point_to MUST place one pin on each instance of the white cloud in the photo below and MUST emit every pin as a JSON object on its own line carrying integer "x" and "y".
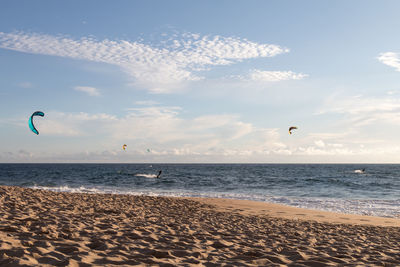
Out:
{"x": 88, "y": 90}
{"x": 391, "y": 59}
{"x": 161, "y": 69}
{"x": 273, "y": 76}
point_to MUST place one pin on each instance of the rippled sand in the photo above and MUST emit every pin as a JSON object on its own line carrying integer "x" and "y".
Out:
{"x": 47, "y": 228}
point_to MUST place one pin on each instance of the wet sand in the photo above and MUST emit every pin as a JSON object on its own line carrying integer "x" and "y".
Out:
{"x": 69, "y": 229}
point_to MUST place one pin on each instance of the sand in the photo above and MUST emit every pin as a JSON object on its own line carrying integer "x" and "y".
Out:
{"x": 42, "y": 228}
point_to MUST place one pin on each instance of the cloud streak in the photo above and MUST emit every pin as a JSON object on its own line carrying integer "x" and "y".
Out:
{"x": 157, "y": 68}
{"x": 365, "y": 110}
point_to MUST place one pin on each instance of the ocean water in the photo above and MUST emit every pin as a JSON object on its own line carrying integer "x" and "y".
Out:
{"x": 330, "y": 187}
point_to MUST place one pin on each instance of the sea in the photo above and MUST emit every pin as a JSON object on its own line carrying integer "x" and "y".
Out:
{"x": 366, "y": 189}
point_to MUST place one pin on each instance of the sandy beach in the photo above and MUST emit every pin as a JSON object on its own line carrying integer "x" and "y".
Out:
{"x": 73, "y": 229}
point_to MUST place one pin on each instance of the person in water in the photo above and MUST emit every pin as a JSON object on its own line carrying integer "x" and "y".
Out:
{"x": 159, "y": 174}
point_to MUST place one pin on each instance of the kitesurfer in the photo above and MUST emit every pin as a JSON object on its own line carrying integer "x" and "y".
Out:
{"x": 159, "y": 174}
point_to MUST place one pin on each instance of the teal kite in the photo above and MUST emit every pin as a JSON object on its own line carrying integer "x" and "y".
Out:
{"x": 36, "y": 113}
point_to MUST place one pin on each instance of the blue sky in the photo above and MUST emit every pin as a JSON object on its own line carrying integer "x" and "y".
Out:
{"x": 206, "y": 81}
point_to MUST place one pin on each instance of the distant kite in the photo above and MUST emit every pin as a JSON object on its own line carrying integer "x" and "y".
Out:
{"x": 124, "y": 147}
{"x": 292, "y": 128}
{"x": 37, "y": 113}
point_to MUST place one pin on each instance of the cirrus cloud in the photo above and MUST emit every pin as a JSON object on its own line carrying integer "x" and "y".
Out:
{"x": 365, "y": 110}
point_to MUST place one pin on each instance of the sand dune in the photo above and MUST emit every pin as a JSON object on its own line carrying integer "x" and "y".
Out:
{"x": 47, "y": 228}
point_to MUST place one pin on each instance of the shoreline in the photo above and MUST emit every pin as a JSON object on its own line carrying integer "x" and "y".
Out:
{"x": 39, "y": 227}
{"x": 254, "y": 207}
{"x": 316, "y": 214}
{"x": 249, "y": 207}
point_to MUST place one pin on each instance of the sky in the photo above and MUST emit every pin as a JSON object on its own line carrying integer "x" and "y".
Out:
{"x": 200, "y": 81}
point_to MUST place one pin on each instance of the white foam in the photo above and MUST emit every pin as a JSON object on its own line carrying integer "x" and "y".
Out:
{"x": 359, "y": 171}
{"x": 80, "y": 189}
{"x": 372, "y": 207}
{"x": 146, "y": 175}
